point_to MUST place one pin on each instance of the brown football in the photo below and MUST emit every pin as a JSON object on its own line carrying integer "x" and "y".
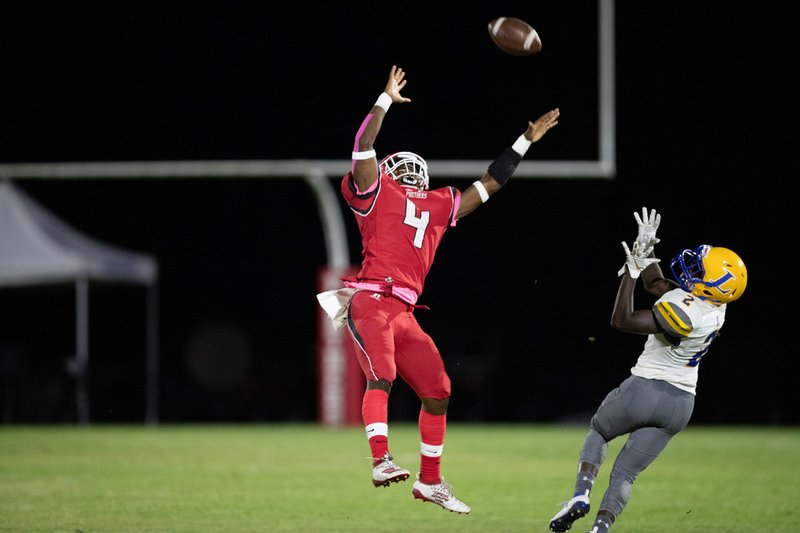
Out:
{"x": 514, "y": 36}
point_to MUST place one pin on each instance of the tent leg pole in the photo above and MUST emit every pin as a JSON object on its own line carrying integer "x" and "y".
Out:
{"x": 152, "y": 365}
{"x": 82, "y": 348}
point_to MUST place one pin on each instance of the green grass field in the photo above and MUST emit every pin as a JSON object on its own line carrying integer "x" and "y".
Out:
{"x": 303, "y": 477}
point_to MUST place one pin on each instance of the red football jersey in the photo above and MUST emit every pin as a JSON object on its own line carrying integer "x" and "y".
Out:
{"x": 401, "y": 228}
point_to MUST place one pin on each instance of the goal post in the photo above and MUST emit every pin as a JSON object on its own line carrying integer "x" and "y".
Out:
{"x": 340, "y": 382}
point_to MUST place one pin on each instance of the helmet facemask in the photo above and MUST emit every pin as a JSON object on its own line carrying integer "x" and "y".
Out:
{"x": 408, "y": 169}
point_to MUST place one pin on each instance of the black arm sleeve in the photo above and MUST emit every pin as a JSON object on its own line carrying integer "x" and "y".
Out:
{"x": 504, "y": 166}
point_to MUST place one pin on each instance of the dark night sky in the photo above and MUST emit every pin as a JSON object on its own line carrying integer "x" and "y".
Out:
{"x": 705, "y": 113}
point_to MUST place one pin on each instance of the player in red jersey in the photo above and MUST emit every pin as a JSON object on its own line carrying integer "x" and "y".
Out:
{"x": 402, "y": 223}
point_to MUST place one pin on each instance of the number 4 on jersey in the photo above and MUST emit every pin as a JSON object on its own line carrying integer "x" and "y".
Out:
{"x": 418, "y": 222}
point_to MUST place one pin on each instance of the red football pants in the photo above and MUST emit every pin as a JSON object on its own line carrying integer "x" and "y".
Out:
{"x": 390, "y": 342}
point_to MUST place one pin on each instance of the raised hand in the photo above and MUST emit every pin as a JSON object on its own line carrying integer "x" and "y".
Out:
{"x": 636, "y": 259}
{"x": 647, "y": 229}
{"x": 536, "y": 130}
{"x": 396, "y": 84}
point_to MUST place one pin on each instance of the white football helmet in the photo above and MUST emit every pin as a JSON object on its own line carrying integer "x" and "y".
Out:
{"x": 406, "y": 168}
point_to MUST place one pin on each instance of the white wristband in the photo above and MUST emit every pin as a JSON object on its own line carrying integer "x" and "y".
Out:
{"x": 384, "y": 101}
{"x": 521, "y": 145}
{"x": 484, "y": 194}
{"x": 360, "y": 156}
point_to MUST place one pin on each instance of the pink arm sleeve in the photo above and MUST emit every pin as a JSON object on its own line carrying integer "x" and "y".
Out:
{"x": 358, "y": 137}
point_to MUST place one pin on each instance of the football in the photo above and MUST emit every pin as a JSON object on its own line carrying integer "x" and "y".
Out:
{"x": 514, "y": 36}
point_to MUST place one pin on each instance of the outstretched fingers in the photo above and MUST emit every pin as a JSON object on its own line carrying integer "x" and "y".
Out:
{"x": 537, "y": 129}
{"x": 396, "y": 84}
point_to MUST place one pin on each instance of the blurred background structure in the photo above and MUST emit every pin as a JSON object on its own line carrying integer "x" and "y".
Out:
{"x": 521, "y": 292}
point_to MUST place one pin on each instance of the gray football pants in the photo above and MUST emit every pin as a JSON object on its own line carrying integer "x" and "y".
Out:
{"x": 652, "y": 411}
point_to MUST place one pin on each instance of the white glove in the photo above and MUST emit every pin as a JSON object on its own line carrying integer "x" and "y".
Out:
{"x": 636, "y": 260}
{"x": 647, "y": 229}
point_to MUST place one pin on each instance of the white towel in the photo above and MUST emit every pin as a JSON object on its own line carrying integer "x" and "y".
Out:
{"x": 336, "y": 304}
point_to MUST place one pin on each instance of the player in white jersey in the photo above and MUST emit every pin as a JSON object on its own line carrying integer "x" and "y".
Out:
{"x": 656, "y": 401}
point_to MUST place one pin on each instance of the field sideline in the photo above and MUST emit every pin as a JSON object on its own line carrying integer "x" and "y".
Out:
{"x": 306, "y": 478}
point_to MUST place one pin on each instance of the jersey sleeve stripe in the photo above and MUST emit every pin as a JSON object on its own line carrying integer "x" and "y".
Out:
{"x": 673, "y": 320}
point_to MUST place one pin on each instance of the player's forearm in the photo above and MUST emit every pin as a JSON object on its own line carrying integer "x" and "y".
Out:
{"x": 363, "y": 147}
{"x": 623, "y": 303}
{"x": 365, "y": 165}
{"x": 368, "y": 132}
{"x": 654, "y": 281}
{"x": 506, "y": 163}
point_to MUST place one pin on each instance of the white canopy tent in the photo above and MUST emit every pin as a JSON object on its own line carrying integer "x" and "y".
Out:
{"x": 38, "y": 248}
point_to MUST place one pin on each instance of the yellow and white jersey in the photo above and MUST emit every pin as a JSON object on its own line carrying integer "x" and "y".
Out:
{"x": 688, "y": 327}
